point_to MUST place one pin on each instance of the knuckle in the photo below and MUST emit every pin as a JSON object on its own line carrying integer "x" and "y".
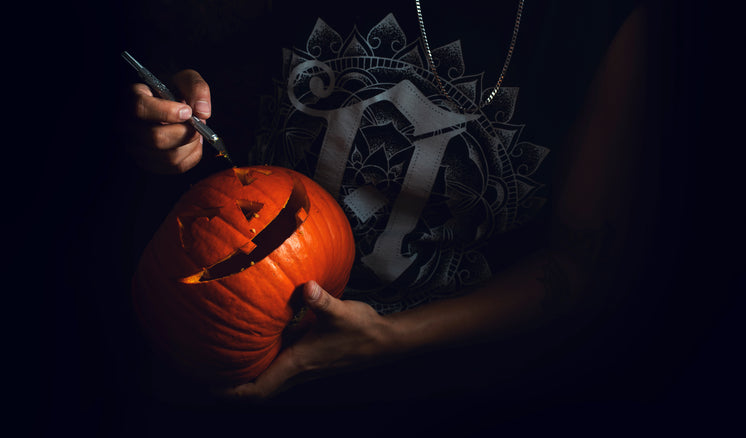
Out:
{"x": 200, "y": 86}
{"x": 149, "y": 109}
{"x": 191, "y": 82}
{"x": 171, "y": 137}
{"x": 152, "y": 109}
{"x": 140, "y": 89}
{"x": 160, "y": 139}
{"x": 249, "y": 393}
{"x": 141, "y": 107}
{"x": 138, "y": 98}
{"x": 298, "y": 363}
{"x": 189, "y": 158}
{"x": 324, "y": 302}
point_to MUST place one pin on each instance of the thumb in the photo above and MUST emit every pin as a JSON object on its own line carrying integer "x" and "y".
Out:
{"x": 320, "y": 301}
{"x": 195, "y": 91}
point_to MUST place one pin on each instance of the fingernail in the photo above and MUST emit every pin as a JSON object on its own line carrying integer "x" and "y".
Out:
{"x": 202, "y": 107}
{"x": 185, "y": 113}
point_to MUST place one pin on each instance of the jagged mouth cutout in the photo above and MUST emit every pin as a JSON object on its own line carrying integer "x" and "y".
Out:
{"x": 283, "y": 226}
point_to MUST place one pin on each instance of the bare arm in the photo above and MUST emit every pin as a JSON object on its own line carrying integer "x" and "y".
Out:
{"x": 588, "y": 224}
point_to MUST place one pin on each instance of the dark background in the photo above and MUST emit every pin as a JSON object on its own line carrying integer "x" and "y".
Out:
{"x": 667, "y": 359}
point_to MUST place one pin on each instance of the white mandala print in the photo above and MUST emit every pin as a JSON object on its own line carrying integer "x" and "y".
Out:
{"x": 423, "y": 185}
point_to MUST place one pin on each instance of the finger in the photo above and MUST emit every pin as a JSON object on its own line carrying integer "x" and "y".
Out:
{"x": 320, "y": 301}
{"x": 196, "y": 92}
{"x": 279, "y": 377}
{"x": 169, "y": 161}
{"x": 245, "y": 392}
{"x": 185, "y": 157}
{"x": 154, "y": 109}
{"x": 166, "y": 137}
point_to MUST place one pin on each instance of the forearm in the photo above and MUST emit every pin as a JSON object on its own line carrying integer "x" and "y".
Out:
{"x": 512, "y": 300}
{"x": 590, "y": 220}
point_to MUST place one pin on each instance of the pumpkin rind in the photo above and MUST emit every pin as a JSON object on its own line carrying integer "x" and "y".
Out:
{"x": 228, "y": 330}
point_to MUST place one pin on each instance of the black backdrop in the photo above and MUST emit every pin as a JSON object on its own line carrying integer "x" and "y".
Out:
{"x": 667, "y": 360}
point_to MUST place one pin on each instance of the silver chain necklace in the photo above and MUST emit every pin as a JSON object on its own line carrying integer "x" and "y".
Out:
{"x": 431, "y": 64}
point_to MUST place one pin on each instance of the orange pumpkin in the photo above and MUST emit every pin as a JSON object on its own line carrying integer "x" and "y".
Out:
{"x": 220, "y": 280}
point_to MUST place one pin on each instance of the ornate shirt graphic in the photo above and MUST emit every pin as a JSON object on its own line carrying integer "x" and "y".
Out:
{"x": 423, "y": 185}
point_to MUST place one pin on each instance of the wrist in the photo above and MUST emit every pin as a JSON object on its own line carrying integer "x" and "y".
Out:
{"x": 391, "y": 335}
{"x": 405, "y": 332}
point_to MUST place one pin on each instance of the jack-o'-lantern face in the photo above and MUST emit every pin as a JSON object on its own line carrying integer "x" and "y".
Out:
{"x": 213, "y": 289}
{"x": 244, "y": 231}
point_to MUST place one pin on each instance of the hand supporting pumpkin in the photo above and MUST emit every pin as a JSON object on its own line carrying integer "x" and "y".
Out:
{"x": 157, "y": 137}
{"x": 347, "y": 334}
{"x": 351, "y": 334}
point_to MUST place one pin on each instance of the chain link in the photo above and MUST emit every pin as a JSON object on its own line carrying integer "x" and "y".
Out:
{"x": 431, "y": 64}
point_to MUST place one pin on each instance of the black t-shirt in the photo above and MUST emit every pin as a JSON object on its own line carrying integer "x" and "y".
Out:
{"x": 438, "y": 199}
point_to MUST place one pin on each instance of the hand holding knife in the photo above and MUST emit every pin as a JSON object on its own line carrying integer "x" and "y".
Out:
{"x": 158, "y": 87}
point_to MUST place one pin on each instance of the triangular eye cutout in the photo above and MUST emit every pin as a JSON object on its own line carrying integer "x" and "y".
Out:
{"x": 292, "y": 216}
{"x": 250, "y": 209}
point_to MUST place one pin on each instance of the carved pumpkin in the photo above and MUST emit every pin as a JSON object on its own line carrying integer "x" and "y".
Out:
{"x": 220, "y": 279}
